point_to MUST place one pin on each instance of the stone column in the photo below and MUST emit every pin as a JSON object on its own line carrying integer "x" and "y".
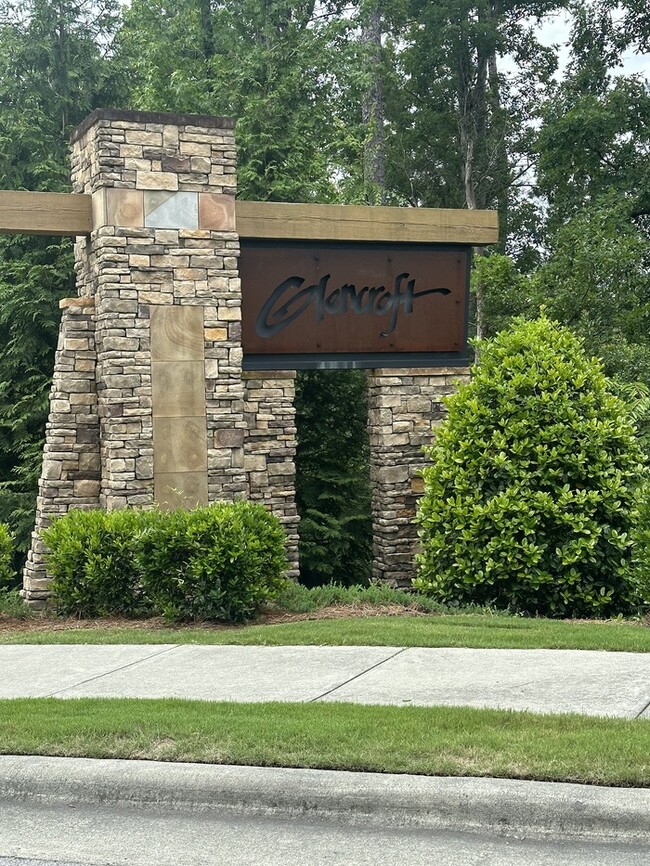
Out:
{"x": 270, "y": 449}
{"x": 404, "y": 406}
{"x": 161, "y": 266}
{"x": 169, "y": 379}
{"x": 70, "y": 476}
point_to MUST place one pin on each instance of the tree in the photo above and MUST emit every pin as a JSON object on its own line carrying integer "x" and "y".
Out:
{"x": 333, "y": 489}
{"x": 52, "y": 73}
{"x": 531, "y": 496}
{"x": 596, "y": 281}
{"x": 265, "y": 63}
{"x": 593, "y": 148}
{"x": 462, "y": 135}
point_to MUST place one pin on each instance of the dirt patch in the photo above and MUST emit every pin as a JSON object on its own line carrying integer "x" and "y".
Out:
{"x": 49, "y": 622}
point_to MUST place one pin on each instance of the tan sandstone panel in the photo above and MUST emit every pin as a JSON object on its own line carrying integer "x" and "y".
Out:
{"x": 124, "y": 207}
{"x": 176, "y": 333}
{"x": 181, "y": 489}
{"x": 178, "y": 388}
{"x": 179, "y": 445}
{"x": 217, "y": 212}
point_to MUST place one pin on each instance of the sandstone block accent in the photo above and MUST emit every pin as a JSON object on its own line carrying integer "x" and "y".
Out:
{"x": 404, "y": 405}
{"x": 217, "y": 211}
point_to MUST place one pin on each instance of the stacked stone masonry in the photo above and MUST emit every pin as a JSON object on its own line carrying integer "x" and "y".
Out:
{"x": 164, "y": 235}
{"x": 404, "y": 406}
{"x": 71, "y": 461}
{"x": 270, "y": 448}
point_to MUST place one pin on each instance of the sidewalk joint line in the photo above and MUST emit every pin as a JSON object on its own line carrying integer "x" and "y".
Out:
{"x": 642, "y": 710}
{"x": 356, "y": 676}
{"x": 113, "y": 671}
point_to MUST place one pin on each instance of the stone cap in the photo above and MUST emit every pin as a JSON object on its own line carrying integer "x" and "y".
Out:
{"x": 206, "y": 120}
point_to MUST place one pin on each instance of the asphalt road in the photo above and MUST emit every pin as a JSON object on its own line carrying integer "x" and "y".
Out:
{"x": 95, "y": 835}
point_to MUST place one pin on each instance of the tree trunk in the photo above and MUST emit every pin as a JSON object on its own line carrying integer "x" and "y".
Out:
{"x": 373, "y": 113}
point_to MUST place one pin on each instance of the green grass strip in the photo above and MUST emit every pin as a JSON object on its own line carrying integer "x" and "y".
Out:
{"x": 423, "y": 740}
{"x": 460, "y": 630}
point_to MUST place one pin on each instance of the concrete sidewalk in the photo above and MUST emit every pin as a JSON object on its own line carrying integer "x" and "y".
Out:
{"x": 543, "y": 681}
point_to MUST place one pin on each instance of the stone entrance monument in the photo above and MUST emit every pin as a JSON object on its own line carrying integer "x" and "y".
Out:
{"x": 159, "y": 396}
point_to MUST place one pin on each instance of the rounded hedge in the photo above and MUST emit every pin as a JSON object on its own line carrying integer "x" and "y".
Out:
{"x": 220, "y": 562}
{"x": 531, "y": 497}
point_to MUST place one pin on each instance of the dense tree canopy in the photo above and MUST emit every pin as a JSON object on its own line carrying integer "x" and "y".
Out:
{"x": 458, "y": 103}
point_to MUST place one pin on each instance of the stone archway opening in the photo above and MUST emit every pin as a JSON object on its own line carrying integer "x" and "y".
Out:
{"x": 333, "y": 492}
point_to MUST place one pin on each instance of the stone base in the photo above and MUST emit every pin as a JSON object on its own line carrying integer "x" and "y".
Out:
{"x": 404, "y": 405}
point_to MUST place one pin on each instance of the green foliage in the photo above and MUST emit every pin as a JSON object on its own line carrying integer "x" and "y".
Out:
{"x": 296, "y": 598}
{"x": 7, "y": 573}
{"x": 12, "y": 605}
{"x": 506, "y": 292}
{"x": 596, "y": 281}
{"x": 333, "y": 479}
{"x": 33, "y": 277}
{"x": 92, "y": 560}
{"x": 221, "y": 562}
{"x": 267, "y": 64}
{"x": 531, "y": 499}
{"x": 218, "y": 562}
{"x": 52, "y": 74}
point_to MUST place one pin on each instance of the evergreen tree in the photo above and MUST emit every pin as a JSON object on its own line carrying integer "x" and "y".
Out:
{"x": 333, "y": 490}
{"x": 52, "y": 74}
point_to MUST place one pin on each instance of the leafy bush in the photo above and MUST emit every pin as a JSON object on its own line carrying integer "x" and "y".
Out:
{"x": 92, "y": 560}
{"x": 7, "y": 573}
{"x": 531, "y": 499}
{"x": 218, "y": 562}
{"x": 12, "y": 605}
{"x": 296, "y": 598}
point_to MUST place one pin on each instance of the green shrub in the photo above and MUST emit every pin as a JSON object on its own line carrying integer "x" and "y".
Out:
{"x": 221, "y": 562}
{"x": 92, "y": 560}
{"x": 531, "y": 499}
{"x": 296, "y": 598}
{"x": 12, "y": 605}
{"x": 218, "y": 562}
{"x": 7, "y": 573}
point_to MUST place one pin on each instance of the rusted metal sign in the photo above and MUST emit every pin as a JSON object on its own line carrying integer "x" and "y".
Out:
{"x": 311, "y": 304}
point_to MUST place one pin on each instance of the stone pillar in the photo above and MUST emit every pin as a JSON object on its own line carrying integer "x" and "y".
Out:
{"x": 404, "y": 405}
{"x": 270, "y": 449}
{"x": 161, "y": 266}
{"x": 169, "y": 379}
{"x": 70, "y": 475}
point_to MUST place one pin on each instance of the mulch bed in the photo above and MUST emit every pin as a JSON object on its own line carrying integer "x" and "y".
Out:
{"x": 50, "y": 622}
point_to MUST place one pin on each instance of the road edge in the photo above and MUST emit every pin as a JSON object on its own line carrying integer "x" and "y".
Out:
{"x": 501, "y": 806}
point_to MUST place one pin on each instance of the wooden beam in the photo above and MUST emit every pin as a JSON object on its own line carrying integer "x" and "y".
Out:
{"x": 45, "y": 213}
{"x": 257, "y": 219}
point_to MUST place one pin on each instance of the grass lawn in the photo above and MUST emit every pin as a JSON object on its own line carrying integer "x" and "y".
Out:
{"x": 431, "y": 741}
{"x": 447, "y": 630}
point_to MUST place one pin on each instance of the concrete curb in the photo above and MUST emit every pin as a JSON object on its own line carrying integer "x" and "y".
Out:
{"x": 508, "y": 808}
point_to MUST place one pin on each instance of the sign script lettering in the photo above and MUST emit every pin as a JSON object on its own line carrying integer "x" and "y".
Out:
{"x": 290, "y": 300}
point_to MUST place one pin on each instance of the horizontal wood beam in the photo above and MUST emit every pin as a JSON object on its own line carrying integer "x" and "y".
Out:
{"x": 333, "y": 222}
{"x": 45, "y": 213}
